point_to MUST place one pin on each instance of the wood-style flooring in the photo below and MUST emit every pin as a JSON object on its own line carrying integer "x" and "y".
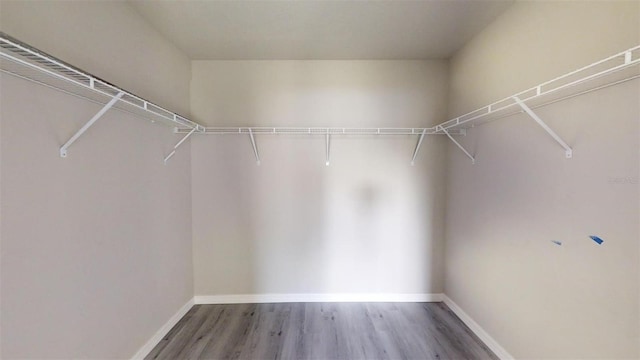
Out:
{"x": 321, "y": 331}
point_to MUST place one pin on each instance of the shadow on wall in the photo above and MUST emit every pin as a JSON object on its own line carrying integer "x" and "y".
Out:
{"x": 366, "y": 224}
{"x": 287, "y": 211}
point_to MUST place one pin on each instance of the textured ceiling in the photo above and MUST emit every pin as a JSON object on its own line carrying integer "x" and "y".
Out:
{"x": 322, "y": 30}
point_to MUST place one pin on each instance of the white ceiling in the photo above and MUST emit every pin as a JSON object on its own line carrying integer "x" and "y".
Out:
{"x": 322, "y": 30}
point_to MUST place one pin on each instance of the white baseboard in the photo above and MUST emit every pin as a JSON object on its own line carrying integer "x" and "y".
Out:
{"x": 477, "y": 329}
{"x": 155, "y": 339}
{"x": 282, "y": 298}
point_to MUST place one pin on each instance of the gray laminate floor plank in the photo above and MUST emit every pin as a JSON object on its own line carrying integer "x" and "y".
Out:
{"x": 204, "y": 332}
{"x": 178, "y": 337}
{"x": 265, "y": 334}
{"x": 229, "y": 339}
{"x": 321, "y": 331}
{"x": 292, "y": 332}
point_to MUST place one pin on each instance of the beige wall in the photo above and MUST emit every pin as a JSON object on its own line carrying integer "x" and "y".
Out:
{"x": 537, "y": 299}
{"x": 108, "y": 39}
{"x": 535, "y": 41}
{"x": 369, "y": 223}
{"x": 102, "y": 240}
{"x": 96, "y": 248}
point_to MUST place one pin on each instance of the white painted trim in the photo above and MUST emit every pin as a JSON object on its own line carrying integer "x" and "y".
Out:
{"x": 477, "y": 329}
{"x": 282, "y": 298}
{"x": 155, "y": 339}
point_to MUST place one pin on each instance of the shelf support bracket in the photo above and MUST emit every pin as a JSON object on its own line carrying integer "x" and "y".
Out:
{"x": 328, "y": 150}
{"x": 567, "y": 150}
{"x": 415, "y": 151}
{"x": 473, "y": 160}
{"x": 98, "y": 115}
{"x": 255, "y": 148}
{"x": 173, "y": 152}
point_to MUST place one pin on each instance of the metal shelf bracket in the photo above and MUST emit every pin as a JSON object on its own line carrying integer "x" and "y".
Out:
{"x": 255, "y": 148}
{"x": 567, "y": 150}
{"x": 98, "y": 115}
{"x": 328, "y": 150}
{"x": 173, "y": 152}
{"x": 440, "y": 127}
{"x": 415, "y": 151}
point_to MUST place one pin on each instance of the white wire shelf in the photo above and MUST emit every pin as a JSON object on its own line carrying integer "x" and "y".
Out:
{"x": 616, "y": 69}
{"x": 23, "y": 61}
{"x": 20, "y": 60}
{"x": 613, "y": 70}
{"x": 321, "y": 131}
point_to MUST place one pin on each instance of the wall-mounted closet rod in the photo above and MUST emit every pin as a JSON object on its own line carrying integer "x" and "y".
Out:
{"x": 628, "y": 58}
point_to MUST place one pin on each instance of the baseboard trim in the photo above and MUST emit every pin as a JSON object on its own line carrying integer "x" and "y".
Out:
{"x": 283, "y": 298}
{"x": 155, "y": 339}
{"x": 477, "y": 329}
